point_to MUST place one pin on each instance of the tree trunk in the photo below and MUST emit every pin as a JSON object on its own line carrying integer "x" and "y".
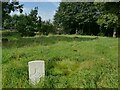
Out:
{"x": 76, "y": 32}
{"x": 114, "y": 32}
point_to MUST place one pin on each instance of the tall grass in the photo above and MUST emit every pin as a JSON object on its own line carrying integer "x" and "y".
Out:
{"x": 70, "y": 62}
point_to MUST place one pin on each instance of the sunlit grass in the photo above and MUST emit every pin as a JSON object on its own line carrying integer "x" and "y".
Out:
{"x": 82, "y": 62}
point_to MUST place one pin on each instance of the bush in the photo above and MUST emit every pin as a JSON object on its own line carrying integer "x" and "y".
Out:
{"x": 100, "y": 34}
{"x": 27, "y": 24}
{"x": 47, "y": 27}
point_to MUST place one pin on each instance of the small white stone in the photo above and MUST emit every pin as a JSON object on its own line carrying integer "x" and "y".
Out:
{"x": 36, "y": 71}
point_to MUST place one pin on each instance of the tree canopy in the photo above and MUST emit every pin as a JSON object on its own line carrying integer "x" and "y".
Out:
{"x": 29, "y": 24}
{"x": 87, "y": 17}
{"x": 7, "y": 7}
{"x": 74, "y": 16}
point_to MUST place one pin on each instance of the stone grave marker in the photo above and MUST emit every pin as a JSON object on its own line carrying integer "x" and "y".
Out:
{"x": 36, "y": 71}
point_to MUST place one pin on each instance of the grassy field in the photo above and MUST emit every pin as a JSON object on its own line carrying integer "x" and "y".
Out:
{"x": 82, "y": 62}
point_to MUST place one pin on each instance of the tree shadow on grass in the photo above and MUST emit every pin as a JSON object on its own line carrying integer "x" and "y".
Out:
{"x": 44, "y": 40}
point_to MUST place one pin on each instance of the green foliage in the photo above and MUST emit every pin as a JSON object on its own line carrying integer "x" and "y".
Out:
{"x": 7, "y": 22}
{"x": 11, "y": 22}
{"x": 47, "y": 27}
{"x": 108, "y": 20}
{"x": 74, "y": 16}
{"x": 7, "y": 7}
{"x": 85, "y": 17}
{"x": 83, "y": 62}
{"x": 112, "y": 7}
{"x": 110, "y": 17}
{"x": 29, "y": 24}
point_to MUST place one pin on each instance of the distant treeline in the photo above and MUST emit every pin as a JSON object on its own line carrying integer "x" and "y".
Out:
{"x": 91, "y": 18}
{"x": 28, "y": 25}
{"x": 84, "y": 18}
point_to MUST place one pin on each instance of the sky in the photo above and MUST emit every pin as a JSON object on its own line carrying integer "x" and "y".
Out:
{"x": 46, "y": 10}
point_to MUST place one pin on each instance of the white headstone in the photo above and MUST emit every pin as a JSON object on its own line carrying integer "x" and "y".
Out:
{"x": 36, "y": 71}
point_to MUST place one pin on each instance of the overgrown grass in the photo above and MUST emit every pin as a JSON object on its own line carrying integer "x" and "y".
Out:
{"x": 71, "y": 61}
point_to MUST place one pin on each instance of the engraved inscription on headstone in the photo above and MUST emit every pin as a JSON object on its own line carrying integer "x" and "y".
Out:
{"x": 36, "y": 71}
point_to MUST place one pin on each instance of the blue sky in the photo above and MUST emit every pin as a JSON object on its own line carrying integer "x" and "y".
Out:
{"x": 46, "y": 10}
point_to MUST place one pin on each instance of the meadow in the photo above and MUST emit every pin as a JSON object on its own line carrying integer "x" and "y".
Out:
{"x": 71, "y": 61}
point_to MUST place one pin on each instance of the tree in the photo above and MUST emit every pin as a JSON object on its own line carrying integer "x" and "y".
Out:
{"x": 73, "y": 17}
{"x": 11, "y": 21}
{"x": 114, "y": 8}
{"x": 7, "y": 22}
{"x": 15, "y": 19}
{"x": 47, "y": 27}
{"x": 7, "y": 7}
{"x": 22, "y": 25}
{"x": 109, "y": 20}
{"x": 39, "y": 24}
{"x": 110, "y": 17}
{"x": 29, "y": 24}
